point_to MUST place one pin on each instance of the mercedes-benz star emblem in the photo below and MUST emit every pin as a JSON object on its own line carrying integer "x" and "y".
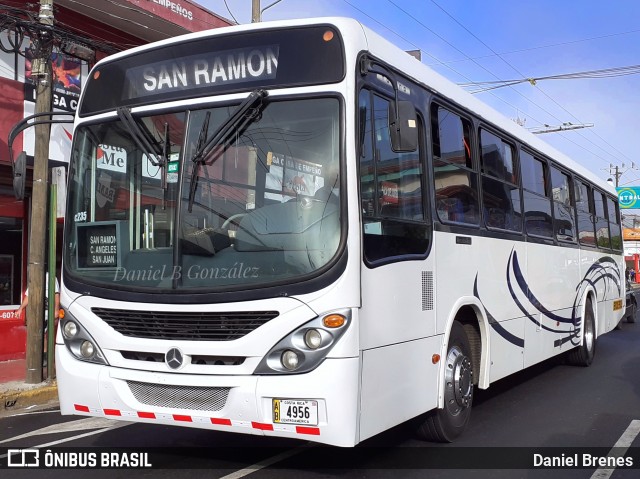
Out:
{"x": 174, "y": 358}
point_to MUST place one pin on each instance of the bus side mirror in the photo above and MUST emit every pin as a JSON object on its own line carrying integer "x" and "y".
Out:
{"x": 403, "y": 126}
{"x": 19, "y": 175}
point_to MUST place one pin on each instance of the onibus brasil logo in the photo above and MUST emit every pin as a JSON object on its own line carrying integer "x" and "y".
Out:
{"x": 629, "y": 197}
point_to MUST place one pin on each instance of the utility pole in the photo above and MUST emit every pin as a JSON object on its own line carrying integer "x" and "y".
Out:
{"x": 616, "y": 173}
{"x": 41, "y": 73}
{"x": 255, "y": 11}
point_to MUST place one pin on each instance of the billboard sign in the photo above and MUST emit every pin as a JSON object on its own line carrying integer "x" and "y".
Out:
{"x": 629, "y": 197}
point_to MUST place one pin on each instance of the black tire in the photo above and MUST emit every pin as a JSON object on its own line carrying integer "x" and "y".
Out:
{"x": 632, "y": 315}
{"x": 444, "y": 425}
{"x": 583, "y": 354}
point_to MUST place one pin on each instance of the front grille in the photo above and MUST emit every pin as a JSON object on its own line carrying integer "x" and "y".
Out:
{"x": 198, "y": 359}
{"x": 190, "y": 326}
{"x": 179, "y": 397}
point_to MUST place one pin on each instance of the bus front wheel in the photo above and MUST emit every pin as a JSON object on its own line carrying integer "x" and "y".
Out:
{"x": 446, "y": 424}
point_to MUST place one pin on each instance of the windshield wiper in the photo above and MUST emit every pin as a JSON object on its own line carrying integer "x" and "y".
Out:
{"x": 247, "y": 112}
{"x": 143, "y": 138}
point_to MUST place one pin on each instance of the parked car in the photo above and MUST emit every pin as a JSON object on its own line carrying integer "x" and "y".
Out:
{"x": 632, "y": 305}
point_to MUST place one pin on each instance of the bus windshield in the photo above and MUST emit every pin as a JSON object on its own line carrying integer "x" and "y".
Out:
{"x": 152, "y": 203}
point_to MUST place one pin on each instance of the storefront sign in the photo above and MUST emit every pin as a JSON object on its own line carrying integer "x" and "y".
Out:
{"x": 629, "y": 197}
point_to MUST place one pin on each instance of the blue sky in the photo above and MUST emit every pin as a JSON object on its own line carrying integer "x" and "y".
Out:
{"x": 474, "y": 41}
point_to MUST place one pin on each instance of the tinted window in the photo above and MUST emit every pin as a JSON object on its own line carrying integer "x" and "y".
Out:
{"x": 533, "y": 177}
{"x": 563, "y": 221}
{"x": 496, "y": 157}
{"x": 500, "y": 192}
{"x": 614, "y": 224}
{"x": 602, "y": 225}
{"x": 456, "y": 182}
{"x": 391, "y": 192}
{"x": 537, "y": 204}
{"x": 584, "y": 207}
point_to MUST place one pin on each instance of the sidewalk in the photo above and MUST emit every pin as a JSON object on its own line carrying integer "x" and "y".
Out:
{"x": 17, "y": 395}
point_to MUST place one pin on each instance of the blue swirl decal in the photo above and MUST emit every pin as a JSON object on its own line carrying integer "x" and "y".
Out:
{"x": 604, "y": 270}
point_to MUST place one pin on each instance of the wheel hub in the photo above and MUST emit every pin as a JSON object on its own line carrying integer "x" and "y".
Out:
{"x": 458, "y": 382}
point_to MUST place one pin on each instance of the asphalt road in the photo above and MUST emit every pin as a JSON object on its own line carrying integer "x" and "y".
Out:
{"x": 552, "y": 405}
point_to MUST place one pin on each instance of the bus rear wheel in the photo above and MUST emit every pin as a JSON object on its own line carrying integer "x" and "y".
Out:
{"x": 583, "y": 354}
{"x": 446, "y": 424}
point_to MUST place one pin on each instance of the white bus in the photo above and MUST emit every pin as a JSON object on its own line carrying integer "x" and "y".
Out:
{"x": 296, "y": 229}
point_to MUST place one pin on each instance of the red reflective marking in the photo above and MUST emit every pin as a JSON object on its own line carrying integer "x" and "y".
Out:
{"x": 314, "y": 431}
{"x": 178, "y": 417}
{"x": 261, "y": 426}
{"x": 146, "y": 415}
{"x": 220, "y": 421}
{"x": 78, "y": 407}
{"x": 111, "y": 412}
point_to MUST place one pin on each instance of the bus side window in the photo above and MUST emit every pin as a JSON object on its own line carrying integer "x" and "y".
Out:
{"x": 563, "y": 204}
{"x": 500, "y": 190}
{"x": 584, "y": 208}
{"x": 602, "y": 225}
{"x": 613, "y": 214}
{"x": 456, "y": 182}
{"x": 537, "y": 201}
{"x": 391, "y": 187}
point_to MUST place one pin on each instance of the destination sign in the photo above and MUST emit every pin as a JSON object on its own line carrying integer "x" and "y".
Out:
{"x": 202, "y": 70}
{"x": 214, "y": 64}
{"x": 98, "y": 245}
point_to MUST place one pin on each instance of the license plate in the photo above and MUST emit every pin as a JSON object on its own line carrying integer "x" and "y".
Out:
{"x": 295, "y": 411}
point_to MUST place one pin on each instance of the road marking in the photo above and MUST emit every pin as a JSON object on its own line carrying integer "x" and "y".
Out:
{"x": 79, "y": 436}
{"x": 265, "y": 463}
{"x": 619, "y": 448}
{"x": 69, "y": 426}
{"x": 31, "y": 413}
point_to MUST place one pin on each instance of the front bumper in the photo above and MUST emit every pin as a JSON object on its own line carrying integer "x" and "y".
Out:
{"x": 96, "y": 390}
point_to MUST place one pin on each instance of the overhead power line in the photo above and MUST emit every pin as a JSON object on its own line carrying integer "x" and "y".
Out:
{"x": 478, "y": 87}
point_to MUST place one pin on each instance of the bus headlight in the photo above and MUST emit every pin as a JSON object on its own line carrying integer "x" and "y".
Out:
{"x": 306, "y": 347}
{"x": 79, "y": 342}
{"x": 70, "y": 329}
{"x": 86, "y": 349}
{"x": 313, "y": 339}
{"x": 290, "y": 360}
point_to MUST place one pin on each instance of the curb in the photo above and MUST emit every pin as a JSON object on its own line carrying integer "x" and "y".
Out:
{"x": 23, "y": 395}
